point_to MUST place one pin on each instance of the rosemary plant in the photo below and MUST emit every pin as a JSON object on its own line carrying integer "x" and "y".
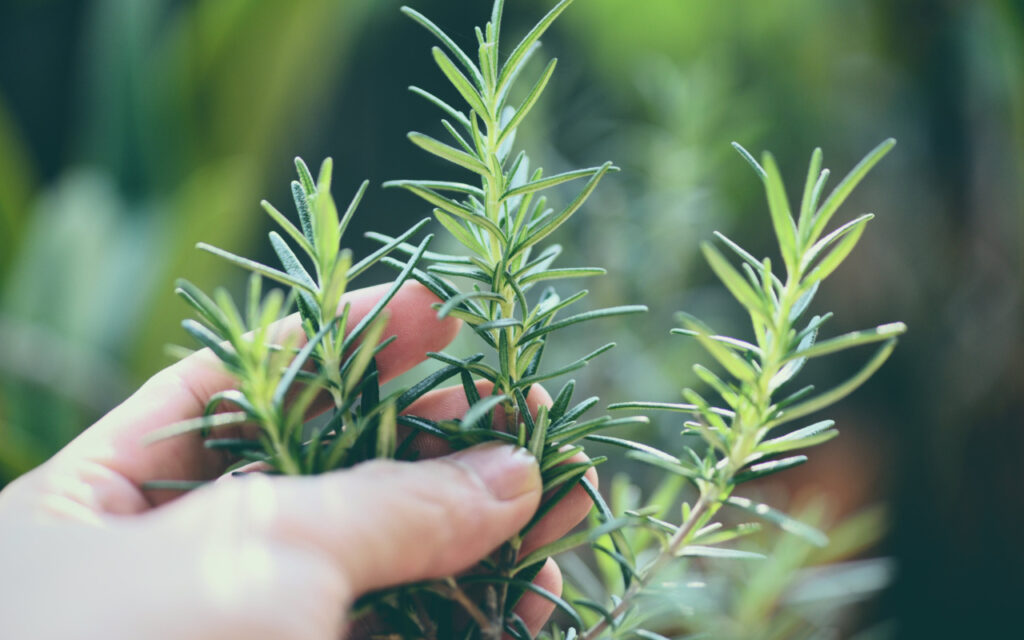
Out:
{"x": 501, "y": 222}
{"x": 500, "y": 286}
{"x": 740, "y": 443}
{"x": 269, "y": 366}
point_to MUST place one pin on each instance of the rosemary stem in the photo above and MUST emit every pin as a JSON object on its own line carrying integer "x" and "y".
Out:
{"x": 470, "y": 607}
{"x": 286, "y": 463}
{"x": 493, "y": 185}
{"x": 701, "y": 510}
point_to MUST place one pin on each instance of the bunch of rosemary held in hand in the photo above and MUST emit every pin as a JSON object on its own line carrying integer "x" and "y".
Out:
{"x": 504, "y": 285}
{"x": 511, "y": 307}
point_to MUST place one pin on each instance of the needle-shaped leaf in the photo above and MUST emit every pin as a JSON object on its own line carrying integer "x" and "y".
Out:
{"x": 452, "y": 112}
{"x": 813, "y": 253}
{"x": 570, "y": 542}
{"x": 667, "y": 406}
{"x": 528, "y": 102}
{"x": 302, "y": 207}
{"x": 431, "y": 381}
{"x": 256, "y": 267}
{"x": 365, "y": 351}
{"x": 288, "y": 227}
{"x": 850, "y": 340}
{"x": 634, "y": 446}
{"x": 780, "y": 519}
{"x": 792, "y": 366}
{"x": 518, "y": 55}
{"x": 351, "y": 208}
{"x": 846, "y": 186}
{"x": 438, "y": 33}
{"x": 303, "y": 355}
{"x": 724, "y": 390}
{"x": 449, "y": 153}
{"x": 705, "y": 411}
{"x": 455, "y": 301}
{"x": 211, "y": 341}
{"x": 672, "y": 466}
{"x": 645, "y": 634}
{"x": 782, "y": 215}
{"x": 702, "y": 551}
{"x": 570, "y": 434}
{"x": 408, "y": 249}
{"x": 559, "y": 274}
{"x": 203, "y": 304}
{"x": 583, "y": 317}
{"x": 438, "y": 185}
{"x": 719, "y": 535}
{"x": 196, "y": 424}
{"x": 838, "y": 393}
{"x": 807, "y": 201}
{"x": 305, "y": 177}
{"x": 740, "y": 251}
{"x": 479, "y": 410}
{"x": 549, "y": 182}
{"x": 569, "y": 368}
{"x": 459, "y": 232}
{"x": 751, "y": 299}
{"x": 232, "y": 396}
{"x": 500, "y": 323}
{"x": 733, "y": 363}
{"x": 553, "y": 223}
{"x": 372, "y": 259}
{"x": 735, "y": 343}
{"x": 835, "y": 257}
{"x": 814, "y": 434}
{"x": 576, "y": 412}
{"x": 803, "y": 302}
{"x": 290, "y": 261}
{"x": 357, "y": 331}
{"x": 568, "y": 473}
{"x": 387, "y": 435}
{"x": 460, "y": 82}
{"x": 761, "y": 469}
{"x": 323, "y": 179}
{"x": 750, "y": 160}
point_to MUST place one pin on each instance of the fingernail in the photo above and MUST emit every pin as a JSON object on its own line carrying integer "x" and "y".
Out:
{"x": 505, "y": 470}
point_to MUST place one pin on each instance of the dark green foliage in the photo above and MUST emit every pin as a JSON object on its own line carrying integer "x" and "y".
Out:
{"x": 508, "y": 300}
{"x": 278, "y": 381}
{"x": 735, "y": 434}
{"x": 500, "y": 286}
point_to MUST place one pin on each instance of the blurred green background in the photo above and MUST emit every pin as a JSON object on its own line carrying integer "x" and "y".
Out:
{"x": 130, "y": 130}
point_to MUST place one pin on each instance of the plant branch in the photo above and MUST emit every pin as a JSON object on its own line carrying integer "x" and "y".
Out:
{"x": 702, "y": 510}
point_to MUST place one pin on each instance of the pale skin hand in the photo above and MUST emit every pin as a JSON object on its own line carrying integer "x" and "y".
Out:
{"x": 87, "y": 553}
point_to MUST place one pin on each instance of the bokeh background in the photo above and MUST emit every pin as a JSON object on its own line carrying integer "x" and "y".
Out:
{"x": 130, "y": 130}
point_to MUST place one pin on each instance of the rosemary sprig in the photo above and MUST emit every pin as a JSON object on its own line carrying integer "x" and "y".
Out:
{"x": 501, "y": 222}
{"x": 271, "y": 369}
{"x": 736, "y": 435}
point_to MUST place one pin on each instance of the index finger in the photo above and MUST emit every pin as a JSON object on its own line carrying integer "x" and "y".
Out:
{"x": 181, "y": 392}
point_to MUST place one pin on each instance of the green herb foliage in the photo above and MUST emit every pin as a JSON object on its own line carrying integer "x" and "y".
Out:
{"x": 501, "y": 218}
{"x": 754, "y": 398}
{"x": 500, "y": 286}
{"x": 279, "y": 381}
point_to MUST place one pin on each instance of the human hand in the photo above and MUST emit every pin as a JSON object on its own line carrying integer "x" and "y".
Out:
{"x": 88, "y": 552}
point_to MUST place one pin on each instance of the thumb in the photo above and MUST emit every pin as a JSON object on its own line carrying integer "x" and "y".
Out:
{"x": 385, "y": 522}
